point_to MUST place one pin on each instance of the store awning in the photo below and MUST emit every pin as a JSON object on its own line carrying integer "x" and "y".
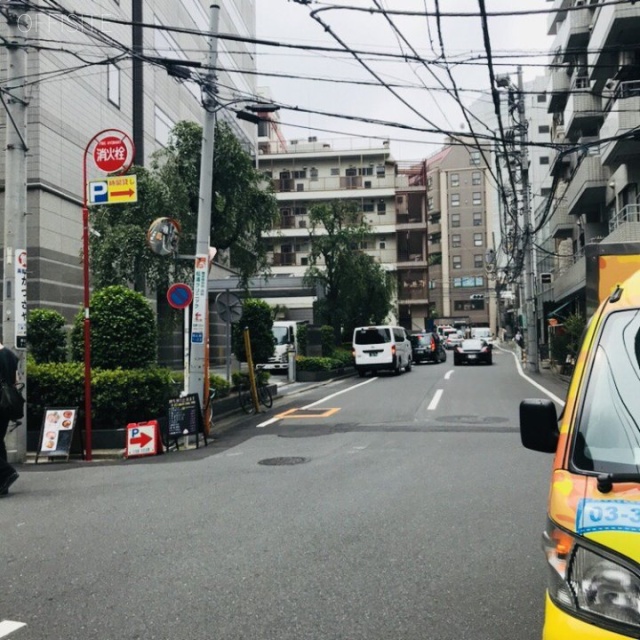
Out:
{"x": 560, "y": 308}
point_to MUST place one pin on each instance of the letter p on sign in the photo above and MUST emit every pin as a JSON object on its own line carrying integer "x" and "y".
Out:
{"x": 98, "y": 192}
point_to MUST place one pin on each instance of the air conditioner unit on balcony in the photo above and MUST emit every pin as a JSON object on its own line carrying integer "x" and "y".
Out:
{"x": 302, "y": 224}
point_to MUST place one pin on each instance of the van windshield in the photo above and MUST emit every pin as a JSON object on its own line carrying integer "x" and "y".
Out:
{"x": 608, "y": 431}
{"x": 372, "y": 336}
{"x": 281, "y": 335}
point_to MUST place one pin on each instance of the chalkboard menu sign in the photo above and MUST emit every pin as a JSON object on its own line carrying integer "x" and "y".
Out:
{"x": 56, "y": 435}
{"x": 185, "y": 417}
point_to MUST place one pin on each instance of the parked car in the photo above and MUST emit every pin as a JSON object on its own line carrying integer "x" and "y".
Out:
{"x": 472, "y": 351}
{"x": 427, "y": 347}
{"x": 453, "y": 340}
{"x": 381, "y": 347}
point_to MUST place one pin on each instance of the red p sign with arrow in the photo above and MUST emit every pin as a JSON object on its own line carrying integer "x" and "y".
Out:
{"x": 143, "y": 439}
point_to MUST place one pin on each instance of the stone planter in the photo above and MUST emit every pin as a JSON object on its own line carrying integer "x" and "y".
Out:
{"x": 320, "y": 376}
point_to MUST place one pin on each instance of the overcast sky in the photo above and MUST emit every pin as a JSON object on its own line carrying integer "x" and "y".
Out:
{"x": 522, "y": 38}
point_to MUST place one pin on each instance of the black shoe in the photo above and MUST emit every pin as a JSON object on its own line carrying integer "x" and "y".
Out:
{"x": 7, "y": 482}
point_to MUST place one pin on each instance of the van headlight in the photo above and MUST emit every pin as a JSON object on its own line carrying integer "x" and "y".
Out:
{"x": 589, "y": 584}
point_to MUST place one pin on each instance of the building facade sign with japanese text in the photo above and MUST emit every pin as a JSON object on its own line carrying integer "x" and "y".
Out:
{"x": 200, "y": 299}
{"x": 20, "y": 310}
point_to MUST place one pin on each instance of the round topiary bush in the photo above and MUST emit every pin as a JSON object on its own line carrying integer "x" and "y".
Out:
{"x": 123, "y": 330}
{"x": 46, "y": 336}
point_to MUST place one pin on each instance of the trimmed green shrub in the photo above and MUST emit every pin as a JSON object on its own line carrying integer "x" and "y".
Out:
{"x": 304, "y": 363}
{"x": 46, "y": 335}
{"x": 124, "y": 333}
{"x": 118, "y": 396}
{"x": 302, "y": 334}
{"x": 345, "y": 356}
{"x": 327, "y": 340}
{"x": 216, "y": 382}
{"x": 257, "y": 316}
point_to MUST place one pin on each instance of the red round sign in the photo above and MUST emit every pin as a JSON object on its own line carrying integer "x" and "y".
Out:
{"x": 111, "y": 154}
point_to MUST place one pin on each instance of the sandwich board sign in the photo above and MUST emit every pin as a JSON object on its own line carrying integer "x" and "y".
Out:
{"x": 143, "y": 439}
{"x": 56, "y": 434}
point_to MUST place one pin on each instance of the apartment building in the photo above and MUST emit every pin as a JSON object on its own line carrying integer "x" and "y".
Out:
{"x": 70, "y": 101}
{"x": 459, "y": 229}
{"x": 595, "y": 104}
{"x": 391, "y": 197}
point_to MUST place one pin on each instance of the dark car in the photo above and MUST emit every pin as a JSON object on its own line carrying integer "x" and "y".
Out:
{"x": 473, "y": 351}
{"x": 427, "y": 347}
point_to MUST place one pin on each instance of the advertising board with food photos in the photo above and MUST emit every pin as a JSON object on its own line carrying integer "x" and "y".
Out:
{"x": 58, "y": 425}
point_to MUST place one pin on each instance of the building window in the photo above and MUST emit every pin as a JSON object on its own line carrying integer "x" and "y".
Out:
{"x": 300, "y": 175}
{"x": 476, "y": 178}
{"x": 455, "y": 199}
{"x": 380, "y": 171}
{"x": 542, "y": 97}
{"x": 430, "y": 203}
{"x": 543, "y": 128}
{"x": 455, "y": 219}
{"x": 454, "y": 179}
{"x": 544, "y": 159}
{"x": 456, "y": 262}
{"x": 476, "y": 198}
{"x": 456, "y": 240}
{"x": 113, "y": 84}
{"x": 313, "y": 173}
{"x": 478, "y": 240}
{"x": 335, "y": 171}
{"x": 383, "y": 244}
{"x": 162, "y": 126}
{"x": 474, "y": 157}
{"x": 545, "y": 192}
{"x": 429, "y": 183}
{"x": 477, "y": 219}
{"x": 382, "y": 207}
{"x": 365, "y": 171}
{"x": 477, "y": 261}
{"x": 468, "y": 282}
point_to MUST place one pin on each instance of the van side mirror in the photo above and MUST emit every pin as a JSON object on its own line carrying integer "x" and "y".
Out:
{"x": 539, "y": 425}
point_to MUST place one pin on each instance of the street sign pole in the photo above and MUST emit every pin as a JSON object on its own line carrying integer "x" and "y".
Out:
{"x": 111, "y": 160}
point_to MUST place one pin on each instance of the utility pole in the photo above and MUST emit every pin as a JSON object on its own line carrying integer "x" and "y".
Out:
{"x": 527, "y": 235}
{"x": 200, "y": 310}
{"x": 14, "y": 293}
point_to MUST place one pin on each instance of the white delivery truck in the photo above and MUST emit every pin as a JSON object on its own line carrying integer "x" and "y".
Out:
{"x": 284, "y": 332}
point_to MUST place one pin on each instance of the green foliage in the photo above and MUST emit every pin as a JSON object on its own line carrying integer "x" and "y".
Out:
{"x": 357, "y": 290}
{"x": 304, "y": 363}
{"x": 118, "y": 396}
{"x": 558, "y": 347}
{"x": 302, "y": 333}
{"x": 344, "y": 355}
{"x": 327, "y": 340}
{"x": 240, "y": 379}
{"x": 46, "y": 335}
{"x": 216, "y": 382}
{"x": 574, "y": 327}
{"x": 123, "y": 330}
{"x": 257, "y": 316}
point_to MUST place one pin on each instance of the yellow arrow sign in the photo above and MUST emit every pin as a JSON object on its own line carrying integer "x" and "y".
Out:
{"x": 115, "y": 190}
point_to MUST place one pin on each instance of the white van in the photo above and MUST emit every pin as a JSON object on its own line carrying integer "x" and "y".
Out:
{"x": 381, "y": 347}
{"x": 482, "y": 333}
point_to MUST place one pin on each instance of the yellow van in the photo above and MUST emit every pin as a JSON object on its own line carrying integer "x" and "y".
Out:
{"x": 592, "y": 538}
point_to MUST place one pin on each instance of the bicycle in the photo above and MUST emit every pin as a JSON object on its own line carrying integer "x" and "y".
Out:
{"x": 246, "y": 400}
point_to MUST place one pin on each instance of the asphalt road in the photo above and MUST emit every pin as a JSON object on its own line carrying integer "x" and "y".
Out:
{"x": 413, "y": 513}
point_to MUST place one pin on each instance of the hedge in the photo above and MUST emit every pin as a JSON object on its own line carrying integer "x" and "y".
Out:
{"x": 304, "y": 363}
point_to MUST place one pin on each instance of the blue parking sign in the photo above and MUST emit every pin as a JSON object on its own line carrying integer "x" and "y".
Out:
{"x": 197, "y": 336}
{"x": 98, "y": 192}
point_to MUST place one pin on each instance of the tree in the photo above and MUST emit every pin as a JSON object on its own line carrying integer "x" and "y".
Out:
{"x": 356, "y": 288}
{"x": 242, "y": 210}
{"x": 257, "y": 315}
{"x": 46, "y": 336}
{"x": 123, "y": 330}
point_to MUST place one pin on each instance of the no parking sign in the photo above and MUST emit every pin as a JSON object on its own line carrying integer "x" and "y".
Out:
{"x": 143, "y": 439}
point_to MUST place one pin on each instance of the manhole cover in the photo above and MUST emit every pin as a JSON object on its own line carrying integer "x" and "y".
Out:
{"x": 275, "y": 462}
{"x": 472, "y": 419}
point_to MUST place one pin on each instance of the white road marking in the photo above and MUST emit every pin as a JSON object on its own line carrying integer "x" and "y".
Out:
{"x": 436, "y": 399}
{"x": 313, "y": 404}
{"x": 448, "y": 374}
{"x": 266, "y": 423}
{"x": 533, "y": 382}
{"x": 7, "y": 627}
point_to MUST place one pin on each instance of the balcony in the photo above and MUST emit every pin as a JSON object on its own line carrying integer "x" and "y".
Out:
{"x": 284, "y": 260}
{"x": 573, "y": 32}
{"x": 559, "y": 88}
{"x": 615, "y": 27}
{"x": 628, "y": 214}
{"x": 337, "y": 183}
{"x": 583, "y": 111}
{"x": 586, "y": 191}
{"x": 561, "y": 223}
{"x": 557, "y": 15}
{"x": 621, "y": 118}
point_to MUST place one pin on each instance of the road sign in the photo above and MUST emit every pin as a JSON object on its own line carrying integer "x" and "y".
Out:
{"x": 116, "y": 190}
{"x": 112, "y": 154}
{"x": 143, "y": 439}
{"x": 228, "y": 306}
{"x": 179, "y": 295}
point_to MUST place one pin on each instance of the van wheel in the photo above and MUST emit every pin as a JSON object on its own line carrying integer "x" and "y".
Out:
{"x": 397, "y": 371}
{"x": 362, "y": 373}
{"x": 408, "y": 367}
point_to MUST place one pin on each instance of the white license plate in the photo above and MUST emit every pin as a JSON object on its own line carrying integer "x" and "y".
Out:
{"x": 471, "y": 357}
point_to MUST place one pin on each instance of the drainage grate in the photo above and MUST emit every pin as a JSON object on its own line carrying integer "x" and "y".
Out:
{"x": 276, "y": 462}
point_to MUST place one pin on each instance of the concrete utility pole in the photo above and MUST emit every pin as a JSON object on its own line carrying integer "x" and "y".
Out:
{"x": 528, "y": 246}
{"x": 14, "y": 294}
{"x": 199, "y": 314}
